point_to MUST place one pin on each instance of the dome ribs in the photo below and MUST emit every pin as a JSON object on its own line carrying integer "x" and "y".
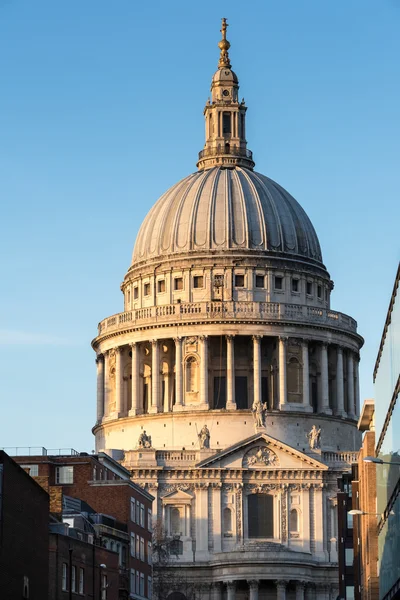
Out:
{"x": 256, "y": 231}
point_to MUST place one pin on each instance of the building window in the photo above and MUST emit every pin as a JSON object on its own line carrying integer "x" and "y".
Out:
{"x": 25, "y": 591}
{"x": 278, "y": 282}
{"x": 349, "y": 556}
{"x": 161, "y": 286}
{"x": 349, "y": 592}
{"x": 227, "y": 522}
{"x": 135, "y": 293}
{"x": 191, "y": 374}
{"x": 149, "y": 553}
{"x": 294, "y": 521}
{"x": 239, "y": 280}
{"x": 141, "y": 592}
{"x": 319, "y": 291}
{"x": 33, "y": 470}
{"x": 295, "y": 285}
{"x": 260, "y": 516}
{"x": 149, "y": 520}
{"x": 146, "y": 289}
{"x": 309, "y": 288}
{"x": 64, "y": 475}
{"x": 132, "y": 544}
{"x": 142, "y": 515}
{"x": 133, "y": 512}
{"x": 137, "y": 546}
{"x": 226, "y": 122}
{"x": 81, "y": 581}
{"x": 293, "y": 376}
{"x": 104, "y": 587}
{"x": 149, "y": 587}
{"x": 178, "y": 283}
{"x": 198, "y": 281}
{"x": 260, "y": 281}
{"x": 349, "y": 521}
{"x": 132, "y": 581}
{"x": 73, "y": 579}
{"x": 142, "y": 549}
{"x": 175, "y": 521}
{"x": 137, "y": 582}
{"x": 64, "y": 577}
{"x": 128, "y": 298}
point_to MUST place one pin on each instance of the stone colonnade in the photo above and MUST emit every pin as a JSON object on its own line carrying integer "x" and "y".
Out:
{"x": 157, "y": 401}
{"x": 302, "y": 589}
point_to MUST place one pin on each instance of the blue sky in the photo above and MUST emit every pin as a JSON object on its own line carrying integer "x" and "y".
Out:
{"x": 101, "y": 111}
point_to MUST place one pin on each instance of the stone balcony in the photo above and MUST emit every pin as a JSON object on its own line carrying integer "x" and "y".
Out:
{"x": 220, "y": 312}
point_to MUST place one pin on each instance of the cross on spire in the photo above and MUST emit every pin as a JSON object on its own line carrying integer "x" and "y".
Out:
{"x": 224, "y": 46}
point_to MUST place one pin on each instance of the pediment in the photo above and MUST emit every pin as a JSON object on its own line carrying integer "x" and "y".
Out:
{"x": 262, "y": 451}
{"x": 177, "y": 497}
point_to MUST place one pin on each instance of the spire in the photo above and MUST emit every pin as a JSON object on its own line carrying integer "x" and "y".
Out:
{"x": 225, "y": 117}
{"x": 224, "y": 46}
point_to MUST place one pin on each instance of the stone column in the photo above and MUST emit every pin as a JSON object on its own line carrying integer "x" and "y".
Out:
{"x": 306, "y": 377}
{"x": 350, "y": 385}
{"x": 282, "y": 374}
{"x": 281, "y": 590}
{"x": 257, "y": 367}
{"x": 136, "y": 409}
{"x": 356, "y": 387}
{"x": 339, "y": 383}
{"x": 167, "y": 392}
{"x": 178, "y": 375}
{"x": 118, "y": 381}
{"x": 230, "y": 373}
{"x": 100, "y": 387}
{"x": 216, "y": 516}
{"x": 325, "y": 380}
{"x": 204, "y": 372}
{"x": 106, "y": 355}
{"x": 217, "y": 590}
{"x": 155, "y": 377}
{"x": 253, "y": 588}
{"x": 231, "y": 590}
{"x": 300, "y": 589}
{"x": 201, "y": 523}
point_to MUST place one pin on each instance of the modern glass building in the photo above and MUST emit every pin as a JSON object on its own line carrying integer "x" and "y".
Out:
{"x": 387, "y": 421}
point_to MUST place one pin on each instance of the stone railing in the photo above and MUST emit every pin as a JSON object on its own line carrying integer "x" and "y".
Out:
{"x": 164, "y": 456}
{"x": 340, "y": 457}
{"x": 192, "y": 312}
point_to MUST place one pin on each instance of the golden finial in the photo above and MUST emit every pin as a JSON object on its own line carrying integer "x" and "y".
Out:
{"x": 224, "y": 46}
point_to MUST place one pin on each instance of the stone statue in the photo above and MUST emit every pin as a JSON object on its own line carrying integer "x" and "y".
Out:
{"x": 144, "y": 440}
{"x": 259, "y": 411}
{"x": 204, "y": 437}
{"x": 314, "y": 437}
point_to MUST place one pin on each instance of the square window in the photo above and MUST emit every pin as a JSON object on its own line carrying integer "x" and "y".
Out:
{"x": 239, "y": 280}
{"x": 260, "y": 281}
{"x": 33, "y": 470}
{"x": 64, "y": 475}
{"x": 295, "y": 285}
{"x": 309, "y": 288}
{"x": 278, "y": 282}
{"x": 146, "y": 289}
{"x": 135, "y": 293}
{"x": 319, "y": 291}
{"x": 161, "y": 286}
{"x": 198, "y": 281}
{"x": 178, "y": 283}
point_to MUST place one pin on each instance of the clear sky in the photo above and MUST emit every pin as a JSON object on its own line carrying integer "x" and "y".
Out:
{"x": 101, "y": 111}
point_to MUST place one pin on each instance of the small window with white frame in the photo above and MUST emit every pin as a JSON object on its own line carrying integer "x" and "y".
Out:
{"x": 141, "y": 592}
{"x": 146, "y": 289}
{"x": 142, "y": 517}
{"x": 137, "y": 546}
{"x": 133, "y": 544}
{"x": 161, "y": 286}
{"x": 64, "y": 475}
{"x": 260, "y": 281}
{"x": 198, "y": 281}
{"x": 133, "y": 510}
{"x": 142, "y": 549}
{"x": 178, "y": 284}
{"x": 132, "y": 581}
{"x": 149, "y": 520}
{"x": 135, "y": 292}
{"x": 239, "y": 280}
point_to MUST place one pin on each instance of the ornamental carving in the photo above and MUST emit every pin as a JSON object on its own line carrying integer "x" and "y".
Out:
{"x": 262, "y": 488}
{"x": 239, "y": 514}
{"x": 260, "y": 457}
{"x": 284, "y": 517}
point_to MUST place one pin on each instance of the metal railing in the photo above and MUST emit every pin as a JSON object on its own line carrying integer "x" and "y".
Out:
{"x": 227, "y": 150}
{"x": 38, "y": 451}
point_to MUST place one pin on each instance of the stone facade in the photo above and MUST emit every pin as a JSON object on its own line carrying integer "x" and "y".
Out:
{"x": 225, "y": 357}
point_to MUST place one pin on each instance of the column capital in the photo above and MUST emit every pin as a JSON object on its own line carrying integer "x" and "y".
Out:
{"x": 301, "y": 584}
{"x": 203, "y": 338}
{"x": 230, "y": 337}
{"x": 256, "y": 338}
{"x": 253, "y": 584}
{"x": 325, "y": 344}
{"x": 154, "y": 342}
{"x": 283, "y": 338}
{"x": 177, "y": 340}
{"x": 133, "y": 344}
{"x": 281, "y": 584}
{"x": 339, "y": 349}
{"x": 117, "y": 349}
{"x": 99, "y": 358}
{"x": 231, "y": 585}
{"x": 305, "y": 340}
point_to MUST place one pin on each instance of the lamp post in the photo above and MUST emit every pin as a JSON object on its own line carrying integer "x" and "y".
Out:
{"x": 361, "y": 513}
{"x": 101, "y": 567}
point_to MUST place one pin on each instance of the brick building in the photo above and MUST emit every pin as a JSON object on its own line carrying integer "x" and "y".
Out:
{"x": 345, "y": 538}
{"x": 24, "y": 537}
{"x": 365, "y": 524}
{"x": 105, "y": 485}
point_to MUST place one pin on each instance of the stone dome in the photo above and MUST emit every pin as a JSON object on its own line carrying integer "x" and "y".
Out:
{"x": 222, "y": 209}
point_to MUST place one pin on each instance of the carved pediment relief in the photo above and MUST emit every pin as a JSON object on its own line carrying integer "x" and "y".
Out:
{"x": 177, "y": 496}
{"x": 260, "y": 457}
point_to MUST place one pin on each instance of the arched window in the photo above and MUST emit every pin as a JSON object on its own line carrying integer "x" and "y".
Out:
{"x": 227, "y": 521}
{"x": 294, "y": 521}
{"x": 175, "y": 521}
{"x": 191, "y": 374}
{"x": 293, "y": 376}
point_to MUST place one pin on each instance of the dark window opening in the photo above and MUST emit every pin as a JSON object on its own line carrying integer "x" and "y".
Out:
{"x": 260, "y": 516}
{"x": 161, "y": 286}
{"x": 146, "y": 289}
{"x": 295, "y": 285}
{"x": 309, "y": 288}
{"x": 219, "y": 392}
{"x": 241, "y": 397}
{"x": 319, "y": 291}
{"x": 239, "y": 280}
{"x": 264, "y": 391}
{"x": 278, "y": 283}
{"x": 178, "y": 283}
{"x": 198, "y": 281}
{"x": 259, "y": 281}
{"x": 226, "y": 123}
